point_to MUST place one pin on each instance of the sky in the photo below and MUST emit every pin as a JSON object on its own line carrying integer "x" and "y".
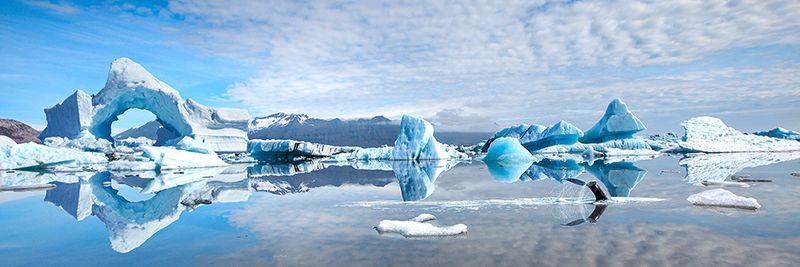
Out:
{"x": 463, "y": 65}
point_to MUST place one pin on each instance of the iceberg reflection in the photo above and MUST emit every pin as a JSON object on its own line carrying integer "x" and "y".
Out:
{"x": 417, "y": 178}
{"x": 718, "y": 167}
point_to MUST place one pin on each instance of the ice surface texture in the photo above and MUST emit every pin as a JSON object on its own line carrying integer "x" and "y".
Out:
{"x": 709, "y": 134}
{"x": 723, "y": 198}
{"x": 130, "y": 86}
{"x": 31, "y": 154}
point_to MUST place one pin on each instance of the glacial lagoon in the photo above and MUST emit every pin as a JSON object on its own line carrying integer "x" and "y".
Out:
{"x": 321, "y": 214}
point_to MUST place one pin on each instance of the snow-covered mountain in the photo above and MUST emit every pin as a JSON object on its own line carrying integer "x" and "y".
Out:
{"x": 148, "y": 130}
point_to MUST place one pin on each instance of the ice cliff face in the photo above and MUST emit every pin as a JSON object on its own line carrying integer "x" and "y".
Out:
{"x": 709, "y": 134}
{"x": 130, "y": 86}
{"x": 617, "y": 123}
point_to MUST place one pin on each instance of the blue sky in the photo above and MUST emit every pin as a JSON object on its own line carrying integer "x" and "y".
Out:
{"x": 464, "y": 65}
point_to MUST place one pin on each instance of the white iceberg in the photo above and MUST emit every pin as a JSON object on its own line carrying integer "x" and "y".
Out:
{"x": 34, "y": 155}
{"x": 781, "y": 133}
{"x": 416, "y": 142}
{"x": 283, "y": 150}
{"x": 6, "y": 141}
{"x": 167, "y": 158}
{"x": 372, "y": 153}
{"x": 723, "y": 198}
{"x": 419, "y": 227}
{"x": 711, "y": 135}
{"x": 130, "y": 86}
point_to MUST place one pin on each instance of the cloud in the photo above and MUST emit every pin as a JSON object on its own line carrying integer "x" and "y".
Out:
{"x": 509, "y": 60}
{"x": 60, "y": 7}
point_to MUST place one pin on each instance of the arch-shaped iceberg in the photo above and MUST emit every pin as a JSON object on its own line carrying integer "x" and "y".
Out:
{"x": 130, "y": 86}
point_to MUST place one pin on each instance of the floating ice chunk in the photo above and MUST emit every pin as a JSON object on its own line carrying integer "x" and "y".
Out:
{"x": 192, "y": 145}
{"x": 616, "y": 123}
{"x": 560, "y": 133}
{"x": 86, "y": 142}
{"x": 507, "y": 149}
{"x": 276, "y": 150}
{"x": 34, "y": 155}
{"x": 167, "y": 158}
{"x": 725, "y": 184}
{"x": 134, "y": 142}
{"x": 416, "y": 142}
{"x": 417, "y": 228}
{"x": 723, "y": 198}
{"x": 780, "y": 133}
{"x": 708, "y": 134}
{"x": 7, "y": 141}
{"x": 423, "y": 218}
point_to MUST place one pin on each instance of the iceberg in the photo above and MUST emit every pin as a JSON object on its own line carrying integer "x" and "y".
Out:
{"x": 560, "y": 133}
{"x": 616, "y": 123}
{"x": 6, "y": 141}
{"x": 711, "y": 135}
{"x": 290, "y": 150}
{"x": 167, "y": 158}
{"x": 85, "y": 143}
{"x": 533, "y": 133}
{"x": 416, "y": 142}
{"x": 514, "y": 131}
{"x": 419, "y": 227}
{"x": 372, "y": 153}
{"x": 31, "y": 155}
{"x": 130, "y": 86}
{"x": 507, "y": 150}
{"x": 723, "y": 198}
{"x": 780, "y": 133}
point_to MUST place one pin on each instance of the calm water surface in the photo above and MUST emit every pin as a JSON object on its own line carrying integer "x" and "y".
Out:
{"x": 299, "y": 216}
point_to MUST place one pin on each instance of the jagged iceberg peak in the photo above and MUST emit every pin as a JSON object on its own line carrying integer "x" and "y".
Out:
{"x": 416, "y": 142}
{"x": 617, "y": 123}
{"x": 125, "y": 74}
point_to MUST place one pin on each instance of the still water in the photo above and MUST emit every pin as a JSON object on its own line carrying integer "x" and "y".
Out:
{"x": 319, "y": 215}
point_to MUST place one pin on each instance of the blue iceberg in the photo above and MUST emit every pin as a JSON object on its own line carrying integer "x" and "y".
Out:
{"x": 780, "y": 133}
{"x": 561, "y": 133}
{"x": 616, "y": 123}
{"x": 416, "y": 142}
{"x": 507, "y": 149}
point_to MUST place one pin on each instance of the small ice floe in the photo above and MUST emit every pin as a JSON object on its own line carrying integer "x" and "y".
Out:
{"x": 419, "y": 226}
{"x": 723, "y": 198}
{"x": 795, "y": 174}
{"x": 724, "y": 184}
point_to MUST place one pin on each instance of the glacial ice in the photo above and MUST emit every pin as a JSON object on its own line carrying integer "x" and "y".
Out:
{"x": 507, "y": 150}
{"x": 416, "y": 142}
{"x": 419, "y": 227}
{"x": 616, "y": 123}
{"x": 6, "y": 141}
{"x": 289, "y": 150}
{"x": 85, "y": 143}
{"x": 560, "y": 133}
{"x": 711, "y": 135}
{"x": 514, "y": 131}
{"x": 187, "y": 143}
{"x": 167, "y": 158}
{"x": 130, "y": 86}
{"x": 723, "y": 198}
{"x": 372, "y": 153}
{"x": 780, "y": 133}
{"x": 34, "y": 155}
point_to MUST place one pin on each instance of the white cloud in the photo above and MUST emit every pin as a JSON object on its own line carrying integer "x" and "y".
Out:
{"x": 504, "y": 59}
{"x": 54, "y": 6}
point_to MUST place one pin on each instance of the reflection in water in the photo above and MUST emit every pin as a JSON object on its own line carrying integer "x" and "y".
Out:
{"x": 416, "y": 178}
{"x": 276, "y": 180}
{"x": 718, "y": 167}
{"x": 618, "y": 177}
{"x": 558, "y": 170}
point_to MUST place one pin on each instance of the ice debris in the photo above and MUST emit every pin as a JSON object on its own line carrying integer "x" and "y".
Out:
{"x": 711, "y": 135}
{"x": 31, "y": 155}
{"x": 167, "y": 158}
{"x": 616, "y": 123}
{"x": 130, "y": 86}
{"x": 85, "y": 143}
{"x": 416, "y": 142}
{"x": 723, "y": 198}
{"x": 780, "y": 133}
{"x": 419, "y": 227}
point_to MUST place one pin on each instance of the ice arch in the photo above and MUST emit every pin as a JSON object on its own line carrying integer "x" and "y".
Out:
{"x": 130, "y": 86}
